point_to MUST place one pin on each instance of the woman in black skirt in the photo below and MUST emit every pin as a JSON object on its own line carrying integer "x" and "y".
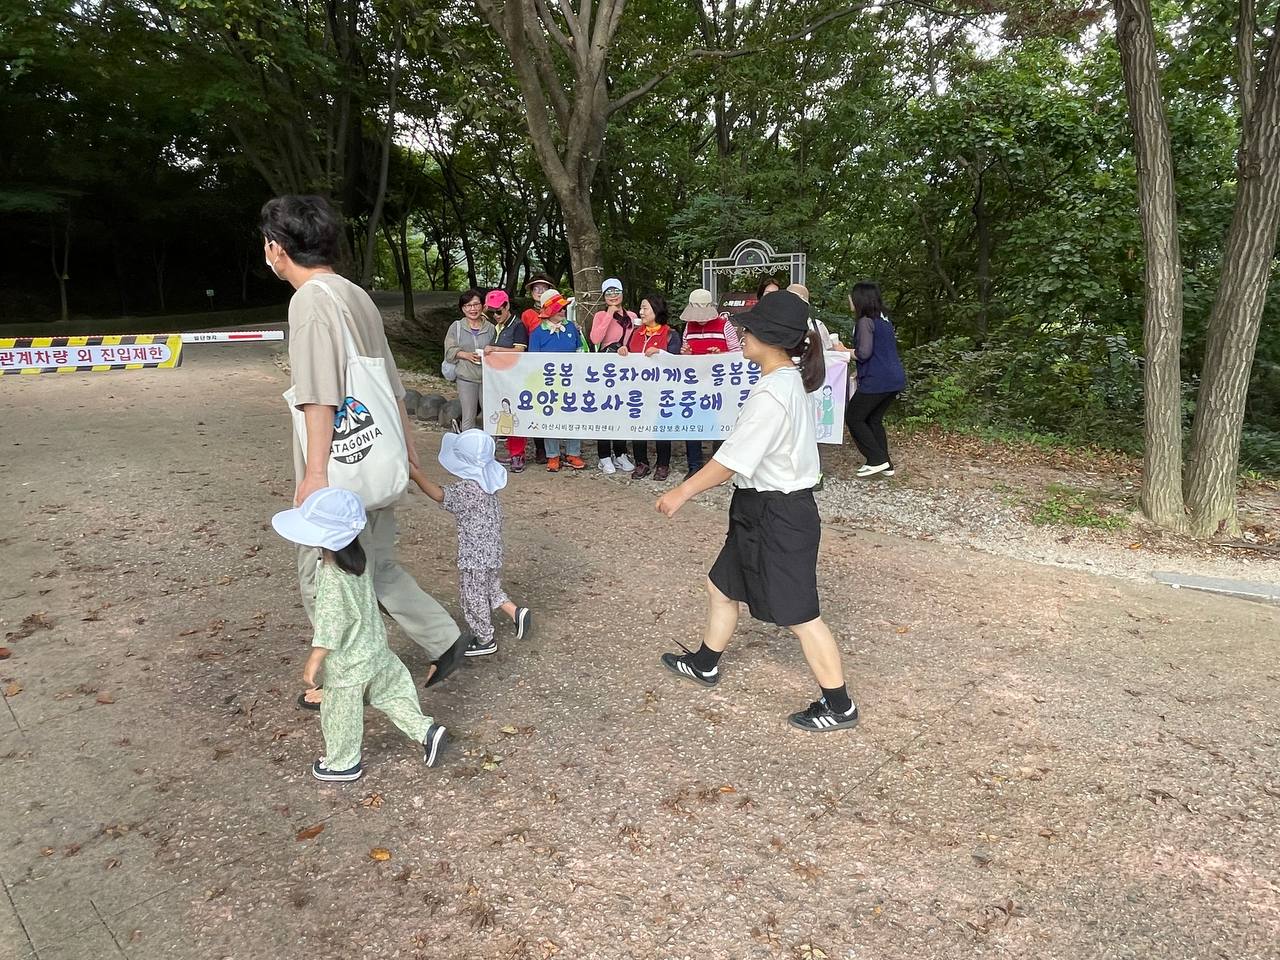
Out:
{"x": 770, "y": 557}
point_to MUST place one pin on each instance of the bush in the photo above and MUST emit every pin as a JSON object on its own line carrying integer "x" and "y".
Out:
{"x": 1083, "y": 388}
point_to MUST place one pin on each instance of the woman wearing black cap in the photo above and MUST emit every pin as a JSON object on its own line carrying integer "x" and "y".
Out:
{"x": 770, "y": 557}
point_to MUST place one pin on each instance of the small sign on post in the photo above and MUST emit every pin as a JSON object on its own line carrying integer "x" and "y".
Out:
{"x": 209, "y": 293}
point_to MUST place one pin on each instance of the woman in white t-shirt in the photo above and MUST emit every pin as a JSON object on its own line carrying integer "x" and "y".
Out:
{"x": 770, "y": 557}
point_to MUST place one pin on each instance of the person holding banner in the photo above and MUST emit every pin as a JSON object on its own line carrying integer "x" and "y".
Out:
{"x": 535, "y": 287}
{"x": 300, "y": 242}
{"x": 510, "y": 336}
{"x": 706, "y": 331}
{"x": 881, "y": 377}
{"x": 556, "y": 334}
{"x": 770, "y": 556}
{"x": 610, "y": 328}
{"x": 652, "y": 336}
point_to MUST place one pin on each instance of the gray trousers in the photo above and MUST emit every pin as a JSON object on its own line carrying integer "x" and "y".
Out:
{"x": 423, "y": 619}
{"x": 469, "y": 397}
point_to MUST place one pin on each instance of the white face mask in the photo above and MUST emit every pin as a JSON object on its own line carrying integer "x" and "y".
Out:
{"x": 271, "y": 266}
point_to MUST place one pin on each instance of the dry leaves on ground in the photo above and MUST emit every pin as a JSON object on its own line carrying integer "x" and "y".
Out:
{"x": 13, "y": 689}
{"x": 381, "y": 854}
{"x": 311, "y": 832}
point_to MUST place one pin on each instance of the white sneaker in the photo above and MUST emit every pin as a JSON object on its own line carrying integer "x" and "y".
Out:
{"x": 624, "y": 463}
{"x": 606, "y": 466}
{"x": 870, "y": 470}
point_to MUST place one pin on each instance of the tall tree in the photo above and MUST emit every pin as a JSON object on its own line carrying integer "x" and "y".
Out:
{"x": 1161, "y": 497}
{"x": 1247, "y": 261}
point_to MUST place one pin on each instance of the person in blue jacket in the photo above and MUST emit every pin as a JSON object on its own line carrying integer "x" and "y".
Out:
{"x": 557, "y": 334}
{"x": 880, "y": 379}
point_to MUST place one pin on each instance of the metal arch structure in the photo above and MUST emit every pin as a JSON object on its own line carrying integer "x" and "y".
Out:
{"x": 751, "y": 255}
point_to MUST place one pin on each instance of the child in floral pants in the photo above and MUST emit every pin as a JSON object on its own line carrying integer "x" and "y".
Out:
{"x": 474, "y": 504}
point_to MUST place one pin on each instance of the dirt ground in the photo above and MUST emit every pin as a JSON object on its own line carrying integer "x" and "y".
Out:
{"x": 1050, "y": 763}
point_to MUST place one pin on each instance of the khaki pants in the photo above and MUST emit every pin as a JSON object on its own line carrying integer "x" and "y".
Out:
{"x": 342, "y": 713}
{"x": 421, "y": 618}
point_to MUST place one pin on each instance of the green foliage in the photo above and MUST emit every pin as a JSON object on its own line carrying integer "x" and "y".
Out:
{"x": 1082, "y": 386}
{"x": 1064, "y": 506}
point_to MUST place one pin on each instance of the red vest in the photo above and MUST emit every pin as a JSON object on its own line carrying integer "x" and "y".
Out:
{"x": 640, "y": 342}
{"x": 706, "y": 336}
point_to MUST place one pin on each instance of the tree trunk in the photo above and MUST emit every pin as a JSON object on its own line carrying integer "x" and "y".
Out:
{"x": 158, "y": 259}
{"x": 1237, "y": 313}
{"x": 406, "y": 278}
{"x": 1161, "y": 497}
{"x": 982, "y": 226}
{"x": 61, "y": 272}
{"x": 375, "y": 217}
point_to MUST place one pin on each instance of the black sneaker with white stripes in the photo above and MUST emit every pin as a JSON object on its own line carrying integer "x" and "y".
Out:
{"x": 433, "y": 743}
{"x": 820, "y": 718}
{"x": 481, "y": 648}
{"x": 683, "y": 667}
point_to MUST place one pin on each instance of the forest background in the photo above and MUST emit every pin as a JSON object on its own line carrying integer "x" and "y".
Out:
{"x": 975, "y": 158}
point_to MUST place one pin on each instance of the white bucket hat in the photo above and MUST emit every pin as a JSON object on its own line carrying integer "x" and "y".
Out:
{"x": 469, "y": 455}
{"x": 701, "y": 308}
{"x": 330, "y": 518}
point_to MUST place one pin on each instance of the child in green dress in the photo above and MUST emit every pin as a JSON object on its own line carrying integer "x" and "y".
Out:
{"x": 350, "y": 641}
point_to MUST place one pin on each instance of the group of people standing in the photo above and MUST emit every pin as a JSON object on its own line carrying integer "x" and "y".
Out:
{"x": 488, "y": 325}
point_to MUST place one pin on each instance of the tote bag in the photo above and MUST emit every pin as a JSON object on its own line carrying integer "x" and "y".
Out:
{"x": 368, "y": 455}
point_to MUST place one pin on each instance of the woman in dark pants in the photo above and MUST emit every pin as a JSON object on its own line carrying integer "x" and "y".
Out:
{"x": 880, "y": 379}
{"x": 654, "y": 335}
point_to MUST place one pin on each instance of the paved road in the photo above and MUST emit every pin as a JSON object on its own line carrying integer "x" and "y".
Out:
{"x": 1050, "y": 764}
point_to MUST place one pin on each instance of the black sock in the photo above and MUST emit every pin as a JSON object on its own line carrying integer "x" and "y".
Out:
{"x": 838, "y": 698}
{"x": 705, "y": 660}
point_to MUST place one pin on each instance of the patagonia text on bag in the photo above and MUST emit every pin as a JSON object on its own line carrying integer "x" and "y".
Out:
{"x": 368, "y": 455}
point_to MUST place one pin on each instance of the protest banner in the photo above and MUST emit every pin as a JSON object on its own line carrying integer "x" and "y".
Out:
{"x": 31, "y": 355}
{"x": 665, "y": 397}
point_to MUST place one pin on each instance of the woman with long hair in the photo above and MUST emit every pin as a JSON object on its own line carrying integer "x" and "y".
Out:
{"x": 653, "y": 335}
{"x": 770, "y": 556}
{"x": 881, "y": 378}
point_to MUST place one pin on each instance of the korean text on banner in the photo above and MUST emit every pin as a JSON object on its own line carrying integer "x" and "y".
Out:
{"x": 29, "y": 355}
{"x": 665, "y": 397}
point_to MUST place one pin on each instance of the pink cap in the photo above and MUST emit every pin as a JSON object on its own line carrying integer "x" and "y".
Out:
{"x": 496, "y": 299}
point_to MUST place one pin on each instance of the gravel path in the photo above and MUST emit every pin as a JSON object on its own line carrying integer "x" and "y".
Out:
{"x": 1050, "y": 764}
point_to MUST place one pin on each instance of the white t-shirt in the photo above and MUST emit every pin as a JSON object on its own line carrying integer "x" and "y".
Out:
{"x": 773, "y": 445}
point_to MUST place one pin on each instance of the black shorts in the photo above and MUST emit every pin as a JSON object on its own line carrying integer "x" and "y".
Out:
{"x": 770, "y": 557}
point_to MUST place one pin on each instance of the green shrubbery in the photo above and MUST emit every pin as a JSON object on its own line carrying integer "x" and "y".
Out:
{"x": 1079, "y": 389}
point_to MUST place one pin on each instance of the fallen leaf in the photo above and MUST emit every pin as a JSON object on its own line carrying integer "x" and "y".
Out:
{"x": 809, "y": 951}
{"x": 135, "y": 936}
{"x": 46, "y": 851}
{"x": 380, "y": 854}
{"x": 105, "y": 698}
{"x": 113, "y": 863}
{"x": 5, "y": 653}
{"x": 310, "y": 833}
{"x": 72, "y": 850}
{"x": 549, "y": 949}
{"x": 728, "y": 789}
{"x": 901, "y": 630}
{"x": 373, "y": 800}
{"x": 13, "y": 689}
{"x": 510, "y": 730}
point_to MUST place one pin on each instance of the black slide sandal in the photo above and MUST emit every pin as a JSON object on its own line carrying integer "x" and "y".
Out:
{"x": 306, "y": 704}
{"x": 450, "y": 661}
